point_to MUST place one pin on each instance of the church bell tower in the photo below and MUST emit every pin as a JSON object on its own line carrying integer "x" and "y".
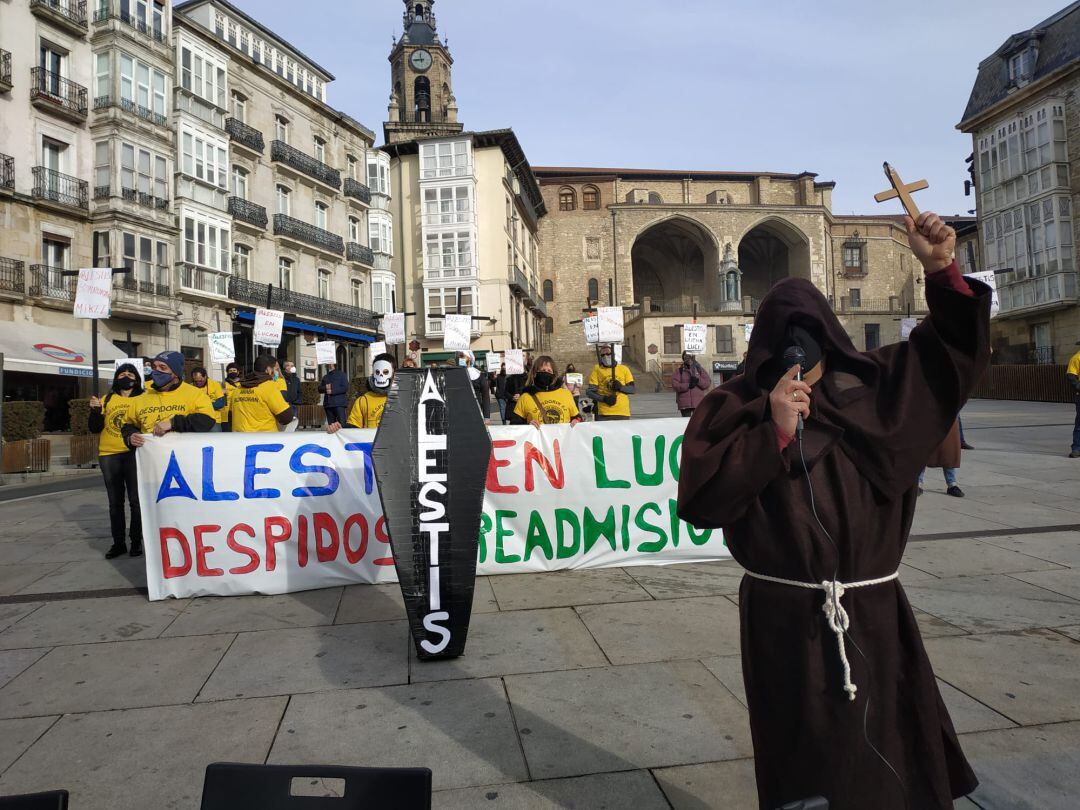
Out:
{"x": 421, "y": 97}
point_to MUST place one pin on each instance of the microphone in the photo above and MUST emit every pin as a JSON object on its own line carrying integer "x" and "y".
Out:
{"x": 795, "y": 355}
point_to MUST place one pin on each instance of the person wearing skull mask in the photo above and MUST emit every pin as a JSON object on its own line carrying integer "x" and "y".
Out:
{"x": 368, "y": 408}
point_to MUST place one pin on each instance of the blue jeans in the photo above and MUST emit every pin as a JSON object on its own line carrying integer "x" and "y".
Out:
{"x": 502, "y": 410}
{"x": 950, "y": 476}
{"x": 1076, "y": 429}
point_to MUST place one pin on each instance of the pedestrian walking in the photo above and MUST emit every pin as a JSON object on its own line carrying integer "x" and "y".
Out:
{"x": 690, "y": 382}
{"x": 947, "y": 457}
{"x": 117, "y": 460}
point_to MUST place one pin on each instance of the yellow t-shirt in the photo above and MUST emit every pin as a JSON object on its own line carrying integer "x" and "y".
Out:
{"x": 1074, "y": 365}
{"x": 601, "y": 378}
{"x": 227, "y": 387}
{"x": 213, "y": 392}
{"x": 155, "y": 406}
{"x": 254, "y": 409}
{"x": 547, "y": 407}
{"x": 116, "y": 416}
{"x": 367, "y": 411}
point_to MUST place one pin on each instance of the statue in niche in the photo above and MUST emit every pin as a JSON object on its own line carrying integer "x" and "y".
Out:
{"x": 729, "y": 269}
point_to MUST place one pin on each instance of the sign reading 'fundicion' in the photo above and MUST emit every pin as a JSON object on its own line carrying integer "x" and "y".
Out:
{"x": 433, "y": 502}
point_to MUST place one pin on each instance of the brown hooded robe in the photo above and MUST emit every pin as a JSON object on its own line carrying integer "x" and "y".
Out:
{"x": 875, "y": 418}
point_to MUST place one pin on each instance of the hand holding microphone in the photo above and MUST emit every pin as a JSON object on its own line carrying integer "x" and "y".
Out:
{"x": 790, "y": 399}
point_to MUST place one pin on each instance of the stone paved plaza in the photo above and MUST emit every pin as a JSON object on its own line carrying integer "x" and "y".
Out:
{"x": 617, "y": 688}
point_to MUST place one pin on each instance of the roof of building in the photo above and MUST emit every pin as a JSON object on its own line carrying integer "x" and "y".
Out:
{"x": 1058, "y": 38}
{"x": 552, "y": 173}
{"x": 420, "y": 33}
{"x": 190, "y": 4}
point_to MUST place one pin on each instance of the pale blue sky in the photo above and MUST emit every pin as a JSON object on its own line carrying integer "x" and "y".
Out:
{"x": 833, "y": 87}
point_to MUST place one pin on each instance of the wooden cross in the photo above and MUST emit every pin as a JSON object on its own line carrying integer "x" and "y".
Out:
{"x": 902, "y": 191}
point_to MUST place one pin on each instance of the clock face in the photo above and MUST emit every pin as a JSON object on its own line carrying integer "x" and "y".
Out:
{"x": 420, "y": 60}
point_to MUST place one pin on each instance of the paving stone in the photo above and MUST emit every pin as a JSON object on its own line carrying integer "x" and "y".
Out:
{"x": 711, "y": 784}
{"x": 993, "y": 603}
{"x": 233, "y": 614}
{"x": 931, "y": 626}
{"x": 1029, "y": 677}
{"x": 14, "y": 578}
{"x": 78, "y": 621}
{"x": 370, "y": 603}
{"x": 12, "y": 662}
{"x": 518, "y": 641}
{"x": 621, "y": 718}
{"x": 699, "y": 579}
{"x": 935, "y": 519}
{"x": 91, "y": 575}
{"x": 605, "y": 791}
{"x": 966, "y": 557}
{"x": 565, "y": 589}
{"x": 462, "y": 730}
{"x": 1062, "y": 548}
{"x": 1071, "y": 632}
{"x": 113, "y": 675}
{"x": 1065, "y": 581}
{"x": 1020, "y": 515}
{"x": 968, "y": 714}
{"x": 728, "y": 670}
{"x": 145, "y": 758}
{"x": 909, "y": 574}
{"x": 1034, "y": 768}
{"x": 18, "y": 735}
{"x": 16, "y": 612}
{"x": 311, "y": 659}
{"x": 484, "y": 600}
{"x": 637, "y": 632}
{"x": 12, "y": 553}
{"x": 73, "y": 551}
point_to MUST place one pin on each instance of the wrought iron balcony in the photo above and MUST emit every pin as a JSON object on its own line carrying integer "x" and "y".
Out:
{"x": 126, "y": 104}
{"x": 203, "y": 280}
{"x": 143, "y": 280}
{"x": 7, "y": 172}
{"x": 247, "y": 211}
{"x": 355, "y": 252}
{"x": 357, "y": 190}
{"x": 5, "y": 69}
{"x": 240, "y": 133}
{"x": 518, "y": 283}
{"x": 1051, "y": 291}
{"x": 49, "y": 282}
{"x": 296, "y": 229}
{"x": 281, "y": 152}
{"x": 256, "y": 294}
{"x": 60, "y": 188}
{"x": 70, "y": 14}
{"x": 12, "y": 275}
{"x": 51, "y": 91}
{"x": 108, "y": 11}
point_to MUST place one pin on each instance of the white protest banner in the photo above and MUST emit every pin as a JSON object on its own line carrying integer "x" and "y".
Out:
{"x": 610, "y": 324}
{"x": 989, "y": 278}
{"x": 231, "y": 513}
{"x": 492, "y": 361}
{"x": 693, "y": 337}
{"x": 93, "y": 295}
{"x": 748, "y": 329}
{"x": 222, "y": 349}
{"x": 393, "y": 325}
{"x": 591, "y": 324}
{"x": 906, "y": 325}
{"x": 325, "y": 352}
{"x": 268, "y": 326}
{"x": 514, "y": 361}
{"x": 457, "y": 332}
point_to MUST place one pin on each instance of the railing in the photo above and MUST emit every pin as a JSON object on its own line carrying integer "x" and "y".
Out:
{"x": 144, "y": 279}
{"x": 200, "y": 279}
{"x": 356, "y": 190}
{"x": 60, "y": 188}
{"x": 261, "y": 295}
{"x": 244, "y": 135}
{"x": 382, "y": 261}
{"x": 283, "y": 153}
{"x": 102, "y": 192}
{"x": 1039, "y": 291}
{"x": 1025, "y": 382}
{"x": 247, "y": 211}
{"x": 126, "y": 104}
{"x": 285, "y": 225}
{"x": 7, "y": 171}
{"x": 5, "y": 67}
{"x": 355, "y": 252}
{"x": 108, "y": 12}
{"x": 1042, "y": 355}
{"x": 49, "y": 282}
{"x": 867, "y": 305}
{"x": 518, "y": 283}
{"x": 74, "y": 12}
{"x": 54, "y": 88}
{"x": 12, "y": 275}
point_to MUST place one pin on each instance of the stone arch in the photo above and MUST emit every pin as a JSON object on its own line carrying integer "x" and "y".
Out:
{"x": 675, "y": 261}
{"x": 771, "y": 249}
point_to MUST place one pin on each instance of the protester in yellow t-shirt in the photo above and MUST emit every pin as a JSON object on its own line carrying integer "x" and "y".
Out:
{"x": 258, "y": 404}
{"x": 116, "y": 459}
{"x": 609, "y": 385}
{"x": 544, "y": 400}
{"x": 171, "y": 405}
{"x": 1072, "y": 374}
{"x": 368, "y": 409}
{"x": 232, "y": 380}
{"x": 212, "y": 388}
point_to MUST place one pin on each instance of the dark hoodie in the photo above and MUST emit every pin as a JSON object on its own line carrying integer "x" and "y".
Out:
{"x": 96, "y": 420}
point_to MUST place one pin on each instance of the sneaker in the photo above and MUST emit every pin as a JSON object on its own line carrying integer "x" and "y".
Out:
{"x": 955, "y": 491}
{"x": 966, "y": 446}
{"x": 1074, "y": 454}
{"x": 136, "y": 548}
{"x": 116, "y": 550}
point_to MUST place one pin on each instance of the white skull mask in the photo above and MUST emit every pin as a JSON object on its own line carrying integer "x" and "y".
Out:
{"x": 381, "y": 374}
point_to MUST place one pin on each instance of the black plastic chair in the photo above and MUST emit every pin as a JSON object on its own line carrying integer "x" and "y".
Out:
{"x": 230, "y": 785}
{"x": 53, "y": 800}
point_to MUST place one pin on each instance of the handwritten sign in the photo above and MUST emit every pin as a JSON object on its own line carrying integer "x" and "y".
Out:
{"x": 493, "y": 361}
{"x": 394, "y": 328}
{"x": 457, "y": 332}
{"x": 222, "y": 349}
{"x": 592, "y": 329}
{"x": 326, "y": 352}
{"x": 268, "y": 326}
{"x": 748, "y": 329}
{"x": 375, "y": 349}
{"x": 93, "y": 296}
{"x": 514, "y": 361}
{"x": 610, "y": 324}
{"x": 693, "y": 337}
{"x": 988, "y": 278}
{"x": 575, "y": 378}
{"x": 906, "y": 325}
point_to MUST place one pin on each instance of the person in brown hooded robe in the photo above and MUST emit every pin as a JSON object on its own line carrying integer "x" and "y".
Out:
{"x": 843, "y": 701}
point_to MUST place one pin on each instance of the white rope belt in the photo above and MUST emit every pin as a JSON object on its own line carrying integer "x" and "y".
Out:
{"x": 834, "y": 611}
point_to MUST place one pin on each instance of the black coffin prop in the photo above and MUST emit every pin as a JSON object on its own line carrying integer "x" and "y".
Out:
{"x": 431, "y": 457}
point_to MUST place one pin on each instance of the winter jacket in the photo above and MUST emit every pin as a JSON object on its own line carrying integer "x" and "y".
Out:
{"x": 690, "y": 385}
{"x": 335, "y": 388}
{"x": 292, "y": 390}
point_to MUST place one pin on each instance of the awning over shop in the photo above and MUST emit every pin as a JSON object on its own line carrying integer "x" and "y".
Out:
{"x": 40, "y": 349}
{"x": 316, "y": 329}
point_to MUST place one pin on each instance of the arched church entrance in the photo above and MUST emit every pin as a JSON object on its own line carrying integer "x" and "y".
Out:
{"x": 770, "y": 251}
{"x": 675, "y": 263}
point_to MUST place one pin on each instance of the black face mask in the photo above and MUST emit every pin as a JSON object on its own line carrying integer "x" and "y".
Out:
{"x": 543, "y": 379}
{"x": 124, "y": 384}
{"x": 233, "y": 375}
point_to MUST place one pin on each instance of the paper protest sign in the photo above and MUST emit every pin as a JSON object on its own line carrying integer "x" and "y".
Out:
{"x": 268, "y": 325}
{"x": 906, "y": 325}
{"x": 989, "y": 278}
{"x": 493, "y": 360}
{"x": 575, "y": 378}
{"x": 93, "y": 296}
{"x": 375, "y": 349}
{"x": 222, "y": 349}
{"x": 394, "y": 328}
{"x": 748, "y": 329}
{"x": 326, "y": 352}
{"x": 693, "y": 337}
{"x": 514, "y": 361}
{"x": 617, "y": 350}
{"x": 457, "y": 332}
{"x": 592, "y": 329}
{"x": 610, "y": 324}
